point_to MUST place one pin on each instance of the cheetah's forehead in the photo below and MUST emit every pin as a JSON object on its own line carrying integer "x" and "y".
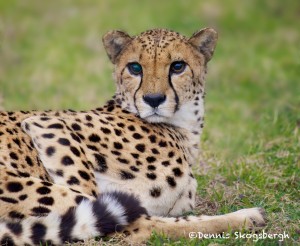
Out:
{"x": 159, "y": 36}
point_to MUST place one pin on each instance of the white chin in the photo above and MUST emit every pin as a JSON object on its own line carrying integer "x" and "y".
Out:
{"x": 155, "y": 119}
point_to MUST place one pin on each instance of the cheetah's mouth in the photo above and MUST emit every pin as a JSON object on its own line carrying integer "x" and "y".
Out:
{"x": 161, "y": 114}
{"x": 155, "y": 116}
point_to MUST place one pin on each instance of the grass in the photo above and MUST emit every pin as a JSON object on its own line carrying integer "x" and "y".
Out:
{"x": 51, "y": 57}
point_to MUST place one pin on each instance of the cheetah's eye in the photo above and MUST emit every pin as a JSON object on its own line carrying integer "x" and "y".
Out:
{"x": 178, "y": 67}
{"x": 135, "y": 68}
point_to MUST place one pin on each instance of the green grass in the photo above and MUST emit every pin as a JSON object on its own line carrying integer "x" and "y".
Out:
{"x": 51, "y": 57}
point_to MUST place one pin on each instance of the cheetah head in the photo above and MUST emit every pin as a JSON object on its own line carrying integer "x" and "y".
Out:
{"x": 160, "y": 73}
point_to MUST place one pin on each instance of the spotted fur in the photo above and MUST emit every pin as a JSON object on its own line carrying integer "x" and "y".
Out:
{"x": 125, "y": 167}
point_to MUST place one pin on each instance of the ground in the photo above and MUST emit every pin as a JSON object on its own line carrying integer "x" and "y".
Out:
{"x": 51, "y": 57}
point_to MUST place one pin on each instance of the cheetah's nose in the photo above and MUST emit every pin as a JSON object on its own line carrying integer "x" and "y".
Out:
{"x": 154, "y": 99}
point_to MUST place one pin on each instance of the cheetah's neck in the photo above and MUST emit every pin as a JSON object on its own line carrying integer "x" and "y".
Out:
{"x": 188, "y": 120}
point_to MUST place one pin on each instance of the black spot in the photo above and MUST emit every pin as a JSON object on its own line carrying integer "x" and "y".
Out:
{"x": 44, "y": 118}
{"x": 165, "y": 163}
{"x": 135, "y": 169}
{"x": 177, "y": 172}
{"x": 105, "y": 130}
{"x": 7, "y": 240}
{"x": 23, "y": 174}
{"x": 13, "y": 156}
{"x": 118, "y": 132}
{"x": 14, "y": 186}
{"x": 46, "y": 183}
{"x": 151, "y": 168}
{"x": 151, "y": 176}
{"x": 50, "y": 151}
{"x": 75, "y": 137}
{"x": 155, "y": 151}
{"x": 122, "y": 160}
{"x": 48, "y": 135}
{"x": 155, "y": 192}
{"x": 103, "y": 122}
{"x": 92, "y": 147}
{"x": 38, "y": 125}
{"x": 12, "y": 174}
{"x": 131, "y": 128}
{"x": 46, "y": 200}
{"x": 89, "y": 125}
{"x": 118, "y": 145}
{"x": 171, "y": 181}
{"x": 125, "y": 140}
{"x": 152, "y": 138}
{"x": 84, "y": 175}
{"x": 75, "y": 151}
{"x": 140, "y": 147}
{"x": 76, "y": 191}
{"x": 67, "y": 160}
{"x": 145, "y": 129}
{"x": 16, "y": 215}
{"x": 73, "y": 181}
{"x": 23, "y": 197}
{"x": 79, "y": 198}
{"x": 162, "y": 143}
{"x": 190, "y": 194}
{"x": 29, "y": 161}
{"x": 8, "y": 200}
{"x": 38, "y": 232}
{"x": 64, "y": 141}
{"x": 94, "y": 193}
{"x": 40, "y": 211}
{"x": 120, "y": 124}
{"x": 56, "y": 126}
{"x": 101, "y": 161}
{"x": 126, "y": 175}
{"x": 86, "y": 164}
{"x": 171, "y": 154}
{"x": 76, "y": 127}
{"x": 17, "y": 142}
{"x": 117, "y": 153}
{"x": 59, "y": 173}
{"x": 151, "y": 159}
{"x": 138, "y": 163}
{"x": 80, "y": 136}
{"x": 43, "y": 190}
{"x": 137, "y": 136}
{"x": 29, "y": 183}
{"x": 88, "y": 117}
{"x": 179, "y": 160}
{"x": 94, "y": 138}
{"x": 136, "y": 156}
{"x": 14, "y": 165}
{"x": 110, "y": 108}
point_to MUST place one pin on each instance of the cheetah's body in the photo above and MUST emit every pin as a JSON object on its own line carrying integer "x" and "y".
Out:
{"x": 69, "y": 167}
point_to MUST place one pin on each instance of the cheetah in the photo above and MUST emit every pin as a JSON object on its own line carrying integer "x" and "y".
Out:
{"x": 125, "y": 167}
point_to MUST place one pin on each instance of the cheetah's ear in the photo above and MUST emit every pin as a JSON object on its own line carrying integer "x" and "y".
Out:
{"x": 114, "y": 42}
{"x": 205, "y": 41}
